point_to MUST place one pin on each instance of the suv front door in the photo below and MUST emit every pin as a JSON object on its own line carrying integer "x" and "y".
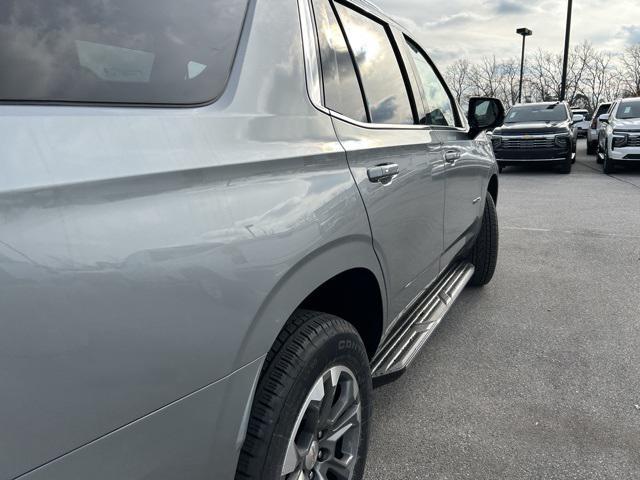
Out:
{"x": 397, "y": 164}
{"x": 465, "y": 165}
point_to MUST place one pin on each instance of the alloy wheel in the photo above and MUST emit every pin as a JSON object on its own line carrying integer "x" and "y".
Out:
{"x": 325, "y": 439}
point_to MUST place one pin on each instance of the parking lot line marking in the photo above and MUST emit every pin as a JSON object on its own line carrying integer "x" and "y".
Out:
{"x": 573, "y": 232}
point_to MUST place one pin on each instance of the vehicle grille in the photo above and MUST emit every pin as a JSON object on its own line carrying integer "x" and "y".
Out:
{"x": 527, "y": 143}
{"x": 634, "y": 141}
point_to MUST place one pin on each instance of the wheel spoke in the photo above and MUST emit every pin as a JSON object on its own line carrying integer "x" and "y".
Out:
{"x": 292, "y": 460}
{"x": 349, "y": 420}
{"x": 294, "y": 451}
{"x": 297, "y": 475}
{"x": 340, "y": 468}
{"x": 330, "y": 388}
{"x": 344, "y": 409}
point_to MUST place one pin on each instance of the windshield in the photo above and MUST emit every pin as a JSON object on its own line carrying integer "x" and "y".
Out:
{"x": 629, "y": 109}
{"x": 170, "y": 52}
{"x": 603, "y": 109}
{"x": 537, "y": 113}
{"x": 584, "y": 113}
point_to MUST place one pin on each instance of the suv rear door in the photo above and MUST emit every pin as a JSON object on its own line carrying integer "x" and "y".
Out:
{"x": 397, "y": 164}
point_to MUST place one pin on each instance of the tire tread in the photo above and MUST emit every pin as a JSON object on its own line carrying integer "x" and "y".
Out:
{"x": 282, "y": 365}
{"x": 484, "y": 255}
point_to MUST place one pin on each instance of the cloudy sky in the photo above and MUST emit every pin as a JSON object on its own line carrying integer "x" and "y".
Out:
{"x": 449, "y": 29}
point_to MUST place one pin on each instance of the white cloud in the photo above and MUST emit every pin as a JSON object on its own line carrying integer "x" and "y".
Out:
{"x": 458, "y": 28}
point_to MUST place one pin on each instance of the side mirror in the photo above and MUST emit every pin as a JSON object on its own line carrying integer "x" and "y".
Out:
{"x": 578, "y": 119}
{"x": 485, "y": 113}
{"x": 604, "y": 118}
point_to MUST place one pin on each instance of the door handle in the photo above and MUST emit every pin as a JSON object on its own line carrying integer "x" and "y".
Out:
{"x": 451, "y": 156}
{"x": 383, "y": 173}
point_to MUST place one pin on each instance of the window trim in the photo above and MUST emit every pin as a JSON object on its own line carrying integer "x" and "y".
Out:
{"x": 461, "y": 124}
{"x": 311, "y": 52}
{"x": 249, "y": 11}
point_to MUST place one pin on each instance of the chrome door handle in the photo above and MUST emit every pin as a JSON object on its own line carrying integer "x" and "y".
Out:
{"x": 451, "y": 156}
{"x": 383, "y": 173}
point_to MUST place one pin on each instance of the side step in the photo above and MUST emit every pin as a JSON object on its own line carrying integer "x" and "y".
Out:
{"x": 402, "y": 346}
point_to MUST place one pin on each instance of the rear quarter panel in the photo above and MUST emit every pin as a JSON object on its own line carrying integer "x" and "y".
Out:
{"x": 147, "y": 253}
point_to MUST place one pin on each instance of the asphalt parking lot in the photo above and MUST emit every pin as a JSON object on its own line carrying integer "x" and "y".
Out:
{"x": 536, "y": 376}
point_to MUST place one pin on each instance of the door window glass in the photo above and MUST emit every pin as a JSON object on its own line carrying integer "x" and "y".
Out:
{"x": 342, "y": 92}
{"x": 384, "y": 85}
{"x": 439, "y": 107}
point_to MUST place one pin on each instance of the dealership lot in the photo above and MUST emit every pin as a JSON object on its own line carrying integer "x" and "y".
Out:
{"x": 538, "y": 374}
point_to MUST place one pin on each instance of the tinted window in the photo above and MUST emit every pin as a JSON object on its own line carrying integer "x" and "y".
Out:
{"x": 133, "y": 51}
{"x": 382, "y": 79}
{"x": 603, "y": 109}
{"x": 341, "y": 88}
{"x": 437, "y": 101}
{"x": 629, "y": 109}
{"x": 556, "y": 112}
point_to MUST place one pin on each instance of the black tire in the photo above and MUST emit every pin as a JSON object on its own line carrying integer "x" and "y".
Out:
{"x": 592, "y": 148}
{"x": 598, "y": 153}
{"x": 565, "y": 167}
{"x": 310, "y": 343}
{"x": 608, "y": 166}
{"x": 484, "y": 255}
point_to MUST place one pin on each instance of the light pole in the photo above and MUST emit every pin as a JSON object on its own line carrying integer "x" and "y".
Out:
{"x": 525, "y": 32}
{"x": 567, "y": 38}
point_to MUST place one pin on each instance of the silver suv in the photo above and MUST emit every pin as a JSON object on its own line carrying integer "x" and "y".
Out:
{"x": 220, "y": 222}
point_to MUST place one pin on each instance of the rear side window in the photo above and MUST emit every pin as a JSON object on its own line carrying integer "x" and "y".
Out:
{"x": 120, "y": 51}
{"x": 384, "y": 86}
{"x": 341, "y": 88}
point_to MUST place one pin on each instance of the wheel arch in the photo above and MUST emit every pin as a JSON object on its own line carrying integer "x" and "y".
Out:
{"x": 493, "y": 188}
{"x": 355, "y": 296}
{"x": 337, "y": 279}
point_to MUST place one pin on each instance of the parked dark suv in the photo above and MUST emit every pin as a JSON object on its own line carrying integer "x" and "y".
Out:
{"x": 536, "y": 132}
{"x": 220, "y": 222}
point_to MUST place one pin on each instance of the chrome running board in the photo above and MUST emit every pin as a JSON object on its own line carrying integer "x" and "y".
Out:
{"x": 403, "y": 344}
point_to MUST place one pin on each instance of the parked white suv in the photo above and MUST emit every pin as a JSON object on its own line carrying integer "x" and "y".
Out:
{"x": 594, "y": 128}
{"x": 581, "y": 127}
{"x": 619, "y": 139}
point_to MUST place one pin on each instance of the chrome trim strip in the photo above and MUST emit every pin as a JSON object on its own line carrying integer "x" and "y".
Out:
{"x": 378, "y": 126}
{"x": 524, "y": 136}
{"x": 559, "y": 159}
{"x": 311, "y": 55}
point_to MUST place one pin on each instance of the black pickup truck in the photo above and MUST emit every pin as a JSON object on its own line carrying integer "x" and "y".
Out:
{"x": 536, "y": 132}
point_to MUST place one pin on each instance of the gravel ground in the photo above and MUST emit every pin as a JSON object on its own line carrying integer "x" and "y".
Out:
{"x": 536, "y": 376}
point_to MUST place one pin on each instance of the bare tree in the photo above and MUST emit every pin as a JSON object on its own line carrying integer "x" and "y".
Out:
{"x": 485, "y": 77}
{"x": 457, "y": 75}
{"x": 545, "y": 73}
{"x": 509, "y": 81}
{"x": 631, "y": 70}
{"x": 593, "y": 76}
{"x": 601, "y": 81}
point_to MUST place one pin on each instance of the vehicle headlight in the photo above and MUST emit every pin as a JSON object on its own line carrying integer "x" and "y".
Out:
{"x": 620, "y": 139}
{"x": 562, "y": 141}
